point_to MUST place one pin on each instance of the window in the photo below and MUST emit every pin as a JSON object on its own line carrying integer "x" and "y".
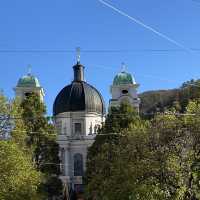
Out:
{"x": 77, "y": 128}
{"x": 59, "y": 127}
{"x": 27, "y": 94}
{"x": 78, "y": 165}
{"x": 124, "y": 91}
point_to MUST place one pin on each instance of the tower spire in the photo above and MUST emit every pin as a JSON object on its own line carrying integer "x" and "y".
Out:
{"x": 29, "y": 69}
{"x": 78, "y": 54}
{"x": 123, "y": 67}
{"x": 78, "y": 68}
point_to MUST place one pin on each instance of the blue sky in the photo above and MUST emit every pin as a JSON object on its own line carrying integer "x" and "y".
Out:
{"x": 67, "y": 24}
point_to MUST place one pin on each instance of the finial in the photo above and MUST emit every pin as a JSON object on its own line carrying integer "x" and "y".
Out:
{"x": 78, "y": 54}
{"x": 29, "y": 69}
{"x": 123, "y": 67}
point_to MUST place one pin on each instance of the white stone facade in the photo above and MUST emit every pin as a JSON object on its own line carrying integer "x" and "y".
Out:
{"x": 124, "y": 92}
{"x": 22, "y": 91}
{"x": 76, "y": 132}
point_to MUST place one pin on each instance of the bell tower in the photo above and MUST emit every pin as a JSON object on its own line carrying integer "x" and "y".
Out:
{"x": 28, "y": 84}
{"x": 124, "y": 89}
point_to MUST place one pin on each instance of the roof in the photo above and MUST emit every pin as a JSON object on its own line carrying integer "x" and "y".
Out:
{"x": 123, "y": 78}
{"x": 28, "y": 81}
{"x": 79, "y": 96}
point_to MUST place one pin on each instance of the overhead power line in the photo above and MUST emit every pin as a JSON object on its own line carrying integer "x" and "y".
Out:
{"x": 97, "y": 51}
{"x": 144, "y": 114}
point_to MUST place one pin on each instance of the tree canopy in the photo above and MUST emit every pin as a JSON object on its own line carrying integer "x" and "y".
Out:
{"x": 18, "y": 177}
{"x": 32, "y": 138}
{"x": 162, "y": 100}
{"x": 146, "y": 159}
{"x": 42, "y": 141}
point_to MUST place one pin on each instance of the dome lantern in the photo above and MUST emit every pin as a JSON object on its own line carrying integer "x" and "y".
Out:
{"x": 78, "y": 72}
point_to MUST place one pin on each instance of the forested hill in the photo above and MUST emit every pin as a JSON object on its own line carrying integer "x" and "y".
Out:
{"x": 161, "y": 100}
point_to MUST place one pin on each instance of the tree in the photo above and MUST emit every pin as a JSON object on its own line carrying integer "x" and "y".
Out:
{"x": 174, "y": 142}
{"x": 11, "y": 123}
{"x": 192, "y": 121}
{"x": 5, "y": 123}
{"x": 161, "y": 100}
{"x": 42, "y": 141}
{"x": 18, "y": 178}
{"x": 112, "y": 159}
{"x": 153, "y": 160}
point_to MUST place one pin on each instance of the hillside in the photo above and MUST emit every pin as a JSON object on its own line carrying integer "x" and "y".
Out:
{"x": 160, "y": 100}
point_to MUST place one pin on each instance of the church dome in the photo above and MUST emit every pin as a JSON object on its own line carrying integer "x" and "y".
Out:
{"x": 79, "y": 96}
{"x": 28, "y": 81}
{"x": 123, "y": 78}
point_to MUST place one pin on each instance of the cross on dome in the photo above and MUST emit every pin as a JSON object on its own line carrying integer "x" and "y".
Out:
{"x": 29, "y": 69}
{"x": 123, "y": 67}
{"x": 78, "y": 54}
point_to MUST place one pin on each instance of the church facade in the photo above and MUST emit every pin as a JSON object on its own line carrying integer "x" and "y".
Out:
{"x": 78, "y": 112}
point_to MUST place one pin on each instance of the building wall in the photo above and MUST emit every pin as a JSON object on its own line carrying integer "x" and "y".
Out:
{"x": 21, "y": 92}
{"x": 71, "y": 143}
{"x": 116, "y": 91}
{"x": 131, "y": 96}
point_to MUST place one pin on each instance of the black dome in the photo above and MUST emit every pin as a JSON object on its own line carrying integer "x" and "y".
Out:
{"x": 79, "y": 96}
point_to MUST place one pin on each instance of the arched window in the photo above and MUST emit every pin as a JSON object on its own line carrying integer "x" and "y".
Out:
{"x": 77, "y": 128}
{"x": 78, "y": 165}
{"x": 124, "y": 91}
{"x": 59, "y": 126}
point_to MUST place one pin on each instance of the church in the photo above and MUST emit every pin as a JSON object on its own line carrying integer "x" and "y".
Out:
{"x": 79, "y": 111}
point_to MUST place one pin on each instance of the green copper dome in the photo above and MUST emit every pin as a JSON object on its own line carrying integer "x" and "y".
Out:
{"x": 123, "y": 78}
{"x": 28, "y": 81}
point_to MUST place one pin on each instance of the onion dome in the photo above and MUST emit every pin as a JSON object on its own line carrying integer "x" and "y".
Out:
{"x": 123, "y": 78}
{"x": 79, "y": 96}
{"x": 28, "y": 81}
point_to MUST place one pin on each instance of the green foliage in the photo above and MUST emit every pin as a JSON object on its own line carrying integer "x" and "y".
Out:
{"x": 110, "y": 158}
{"x": 18, "y": 133}
{"x": 119, "y": 118}
{"x": 42, "y": 141}
{"x": 161, "y": 100}
{"x": 11, "y": 124}
{"x": 35, "y": 137}
{"x": 157, "y": 101}
{"x": 152, "y": 160}
{"x": 18, "y": 178}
